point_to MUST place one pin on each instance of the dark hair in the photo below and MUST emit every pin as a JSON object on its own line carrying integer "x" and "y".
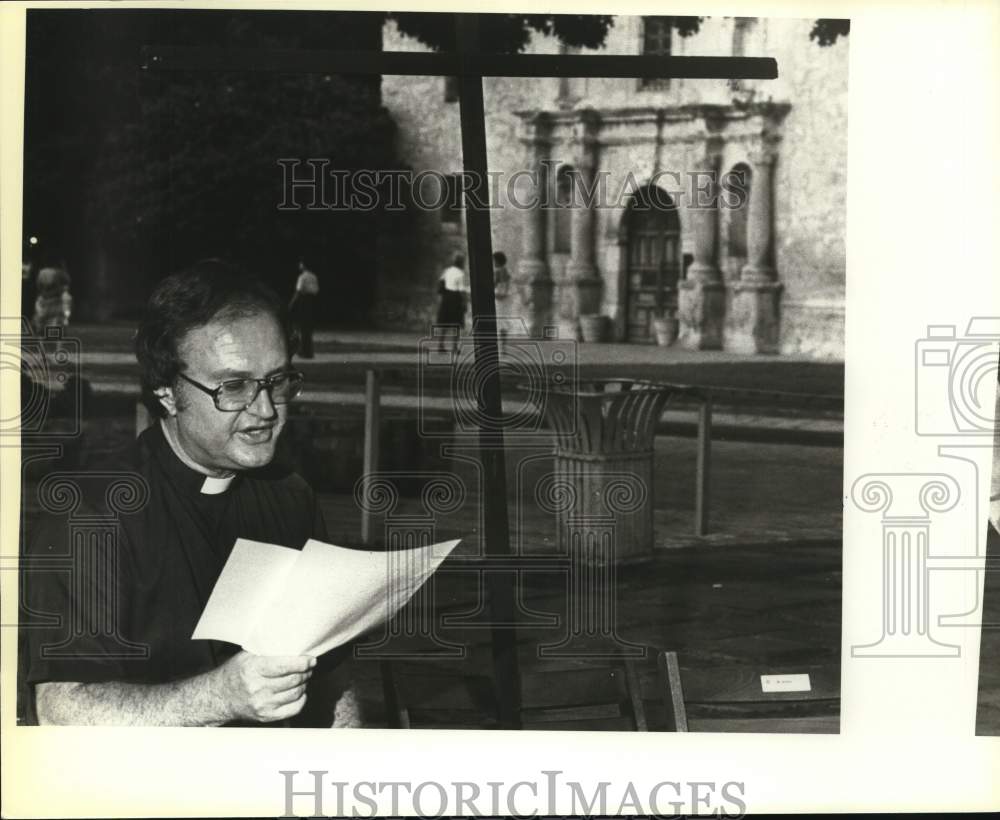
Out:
{"x": 500, "y": 258}
{"x": 309, "y": 259}
{"x": 190, "y": 299}
{"x": 458, "y": 260}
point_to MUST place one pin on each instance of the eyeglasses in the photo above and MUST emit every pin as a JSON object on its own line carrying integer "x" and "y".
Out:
{"x": 235, "y": 395}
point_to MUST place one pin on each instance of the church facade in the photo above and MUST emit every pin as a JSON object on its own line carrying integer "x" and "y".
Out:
{"x": 628, "y": 208}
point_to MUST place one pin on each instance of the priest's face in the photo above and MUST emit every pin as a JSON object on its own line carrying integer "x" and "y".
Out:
{"x": 230, "y": 348}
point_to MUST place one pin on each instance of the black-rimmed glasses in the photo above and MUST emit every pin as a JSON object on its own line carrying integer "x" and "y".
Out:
{"x": 235, "y": 395}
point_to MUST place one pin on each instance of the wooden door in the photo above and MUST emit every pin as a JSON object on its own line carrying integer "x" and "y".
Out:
{"x": 654, "y": 266}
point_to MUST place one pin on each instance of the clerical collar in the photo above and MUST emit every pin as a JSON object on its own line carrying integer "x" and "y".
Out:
{"x": 213, "y": 484}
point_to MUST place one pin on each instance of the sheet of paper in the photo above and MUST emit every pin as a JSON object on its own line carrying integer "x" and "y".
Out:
{"x": 334, "y": 594}
{"x": 310, "y": 601}
{"x": 252, "y": 577}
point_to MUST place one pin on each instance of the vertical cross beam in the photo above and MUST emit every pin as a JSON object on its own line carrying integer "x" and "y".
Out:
{"x": 500, "y": 585}
{"x": 372, "y": 401}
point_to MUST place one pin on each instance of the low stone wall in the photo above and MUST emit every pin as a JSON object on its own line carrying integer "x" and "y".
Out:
{"x": 813, "y": 328}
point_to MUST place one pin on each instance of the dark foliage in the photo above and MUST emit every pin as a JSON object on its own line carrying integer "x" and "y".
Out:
{"x": 144, "y": 172}
{"x": 826, "y": 32}
{"x": 506, "y": 33}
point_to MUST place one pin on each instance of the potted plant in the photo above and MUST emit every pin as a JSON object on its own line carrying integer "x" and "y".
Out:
{"x": 666, "y": 327}
{"x": 593, "y": 327}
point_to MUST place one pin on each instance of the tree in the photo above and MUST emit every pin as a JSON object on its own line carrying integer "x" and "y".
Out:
{"x": 825, "y": 31}
{"x": 135, "y": 173}
{"x": 507, "y": 33}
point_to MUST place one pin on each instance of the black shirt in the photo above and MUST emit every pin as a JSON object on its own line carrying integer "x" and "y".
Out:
{"x": 127, "y": 607}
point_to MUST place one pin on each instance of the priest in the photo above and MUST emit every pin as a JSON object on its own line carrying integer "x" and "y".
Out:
{"x": 214, "y": 349}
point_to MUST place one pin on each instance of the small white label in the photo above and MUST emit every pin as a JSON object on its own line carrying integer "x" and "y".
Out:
{"x": 785, "y": 683}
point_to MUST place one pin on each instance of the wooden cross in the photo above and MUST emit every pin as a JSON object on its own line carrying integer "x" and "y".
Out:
{"x": 470, "y": 65}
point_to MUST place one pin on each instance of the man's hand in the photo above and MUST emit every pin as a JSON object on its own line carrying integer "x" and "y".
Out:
{"x": 246, "y": 687}
{"x": 264, "y": 688}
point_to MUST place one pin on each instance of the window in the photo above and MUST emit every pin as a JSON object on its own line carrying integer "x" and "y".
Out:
{"x": 451, "y": 89}
{"x": 657, "y": 33}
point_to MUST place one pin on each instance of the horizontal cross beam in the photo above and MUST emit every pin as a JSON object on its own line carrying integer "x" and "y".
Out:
{"x": 298, "y": 61}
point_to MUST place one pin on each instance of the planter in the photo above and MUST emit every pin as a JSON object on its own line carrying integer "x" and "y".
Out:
{"x": 593, "y": 327}
{"x": 666, "y": 329}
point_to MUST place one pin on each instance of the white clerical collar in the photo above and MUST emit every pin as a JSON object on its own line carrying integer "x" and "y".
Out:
{"x": 217, "y": 484}
{"x": 213, "y": 484}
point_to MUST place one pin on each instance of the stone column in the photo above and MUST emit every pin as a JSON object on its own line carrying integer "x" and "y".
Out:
{"x": 581, "y": 269}
{"x": 532, "y": 279}
{"x": 755, "y": 299}
{"x": 701, "y": 296}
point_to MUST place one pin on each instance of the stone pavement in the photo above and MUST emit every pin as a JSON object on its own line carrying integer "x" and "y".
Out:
{"x": 335, "y": 377}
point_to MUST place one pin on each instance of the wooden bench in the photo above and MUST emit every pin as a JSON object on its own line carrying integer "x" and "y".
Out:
{"x": 733, "y": 699}
{"x": 595, "y": 696}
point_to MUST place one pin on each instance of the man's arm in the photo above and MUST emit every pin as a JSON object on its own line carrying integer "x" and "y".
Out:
{"x": 246, "y": 687}
{"x": 347, "y": 713}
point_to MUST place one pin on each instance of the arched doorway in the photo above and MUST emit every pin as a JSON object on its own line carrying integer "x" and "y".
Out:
{"x": 653, "y": 259}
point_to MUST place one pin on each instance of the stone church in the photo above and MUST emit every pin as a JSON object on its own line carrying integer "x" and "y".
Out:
{"x": 755, "y": 267}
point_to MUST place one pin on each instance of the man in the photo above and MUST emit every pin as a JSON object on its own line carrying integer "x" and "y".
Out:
{"x": 303, "y": 307}
{"x": 53, "y": 302}
{"x": 452, "y": 288}
{"x": 213, "y": 349}
{"x": 501, "y": 290}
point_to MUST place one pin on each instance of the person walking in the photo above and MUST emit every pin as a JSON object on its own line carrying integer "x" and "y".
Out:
{"x": 501, "y": 292}
{"x": 53, "y": 302}
{"x": 303, "y": 308}
{"x": 451, "y": 311}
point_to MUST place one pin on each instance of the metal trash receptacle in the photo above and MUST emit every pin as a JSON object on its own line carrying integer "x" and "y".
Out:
{"x": 601, "y": 490}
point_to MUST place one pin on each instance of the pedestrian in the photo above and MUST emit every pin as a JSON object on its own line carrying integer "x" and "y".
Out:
{"x": 53, "y": 301}
{"x": 303, "y": 307}
{"x": 501, "y": 291}
{"x": 451, "y": 311}
{"x": 27, "y": 290}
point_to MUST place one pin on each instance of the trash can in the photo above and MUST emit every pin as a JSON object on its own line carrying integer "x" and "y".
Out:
{"x": 601, "y": 490}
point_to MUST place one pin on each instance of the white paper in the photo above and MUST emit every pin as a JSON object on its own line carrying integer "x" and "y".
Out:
{"x": 252, "y": 577}
{"x": 309, "y": 601}
{"x": 785, "y": 683}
